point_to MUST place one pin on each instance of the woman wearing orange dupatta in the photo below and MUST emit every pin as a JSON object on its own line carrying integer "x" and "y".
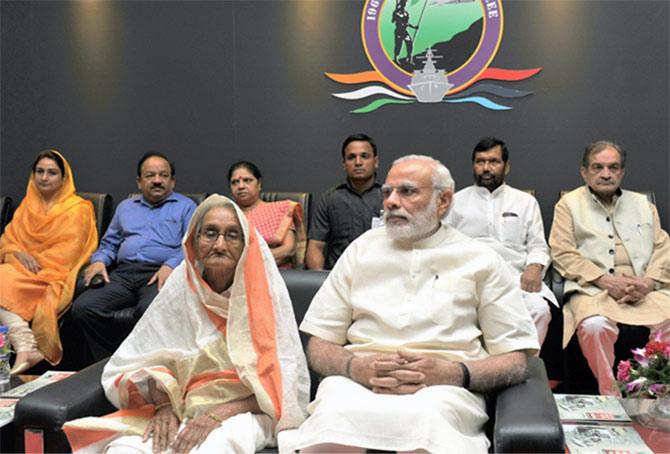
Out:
{"x": 280, "y": 223}
{"x": 51, "y": 235}
{"x": 215, "y": 364}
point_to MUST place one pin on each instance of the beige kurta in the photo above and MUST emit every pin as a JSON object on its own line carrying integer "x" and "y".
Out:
{"x": 578, "y": 264}
{"x": 448, "y": 296}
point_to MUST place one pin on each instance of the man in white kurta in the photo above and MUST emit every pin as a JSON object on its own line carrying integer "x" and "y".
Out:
{"x": 400, "y": 322}
{"x": 510, "y": 221}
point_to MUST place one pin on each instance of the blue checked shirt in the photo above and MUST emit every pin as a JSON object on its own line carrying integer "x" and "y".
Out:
{"x": 140, "y": 232}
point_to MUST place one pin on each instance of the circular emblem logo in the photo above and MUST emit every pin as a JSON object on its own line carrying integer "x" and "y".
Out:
{"x": 409, "y": 39}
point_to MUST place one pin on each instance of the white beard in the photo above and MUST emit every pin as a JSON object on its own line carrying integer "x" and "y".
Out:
{"x": 420, "y": 225}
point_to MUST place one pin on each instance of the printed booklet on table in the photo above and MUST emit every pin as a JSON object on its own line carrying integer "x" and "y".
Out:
{"x": 46, "y": 378}
{"x": 584, "y": 408}
{"x": 588, "y": 438}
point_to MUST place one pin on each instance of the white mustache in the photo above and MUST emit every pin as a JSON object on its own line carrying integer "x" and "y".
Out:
{"x": 398, "y": 213}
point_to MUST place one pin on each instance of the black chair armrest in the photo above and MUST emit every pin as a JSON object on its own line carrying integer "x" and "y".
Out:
{"x": 526, "y": 418}
{"x": 557, "y": 286}
{"x": 48, "y": 408}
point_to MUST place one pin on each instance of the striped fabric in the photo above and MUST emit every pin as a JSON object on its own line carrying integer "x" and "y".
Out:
{"x": 205, "y": 349}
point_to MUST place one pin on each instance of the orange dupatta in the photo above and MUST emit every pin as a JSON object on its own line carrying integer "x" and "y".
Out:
{"x": 61, "y": 238}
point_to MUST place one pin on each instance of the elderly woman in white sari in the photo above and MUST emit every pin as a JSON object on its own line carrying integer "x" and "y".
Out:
{"x": 215, "y": 364}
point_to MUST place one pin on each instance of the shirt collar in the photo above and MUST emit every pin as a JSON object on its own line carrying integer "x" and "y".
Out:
{"x": 143, "y": 201}
{"x": 484, "y": 192}
{"x": 615, "y": 197}
{"x": 348, "y": 186}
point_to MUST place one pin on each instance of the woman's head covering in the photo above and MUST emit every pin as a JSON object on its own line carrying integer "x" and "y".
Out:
{"x": 67, "y": 189}
{"x": 256, "y": 319}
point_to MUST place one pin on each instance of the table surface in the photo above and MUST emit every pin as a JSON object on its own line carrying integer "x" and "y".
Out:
{"x": 657, "y": 440}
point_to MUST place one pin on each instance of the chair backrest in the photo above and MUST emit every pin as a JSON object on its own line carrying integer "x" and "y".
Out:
{"x": 651, "y": 196}
{"x": 197, "y": 197}
{"x": 529, "y": 191}
{"x": 303, "y": 198}
{"x": 103, "y": 208}
{"x": 302, "y": 285}
{"x": 6, "y": 211}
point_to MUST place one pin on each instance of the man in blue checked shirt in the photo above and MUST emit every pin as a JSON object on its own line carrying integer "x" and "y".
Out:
{"x": 136, "y": 255}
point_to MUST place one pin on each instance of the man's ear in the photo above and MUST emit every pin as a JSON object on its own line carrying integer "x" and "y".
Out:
{"x": 582, "y": 172}
{"x": 444, "y": 202}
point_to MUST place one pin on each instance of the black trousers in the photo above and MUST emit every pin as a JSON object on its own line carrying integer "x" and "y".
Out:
{"x": 95, "y": 310}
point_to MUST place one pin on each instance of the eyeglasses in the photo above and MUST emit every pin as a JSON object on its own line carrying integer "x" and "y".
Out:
{"x": 229, "y": 236}
{"x": 404, "y": 190}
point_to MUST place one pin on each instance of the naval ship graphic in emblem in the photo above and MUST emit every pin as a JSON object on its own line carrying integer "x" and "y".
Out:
{"x": 430, "y": 84}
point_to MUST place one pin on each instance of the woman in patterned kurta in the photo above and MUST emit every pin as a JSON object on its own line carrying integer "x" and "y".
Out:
{"x": 279, "y": 223}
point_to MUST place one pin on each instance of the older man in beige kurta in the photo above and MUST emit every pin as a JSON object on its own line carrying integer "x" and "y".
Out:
{"x": 589, "y": 239}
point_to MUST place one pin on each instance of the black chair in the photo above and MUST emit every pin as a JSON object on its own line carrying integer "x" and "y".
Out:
{"x": 6, "y": 211}
{"x": 523, "y": 417}
{"x": 578, "y": 378}
{"x": 103, "y": 208}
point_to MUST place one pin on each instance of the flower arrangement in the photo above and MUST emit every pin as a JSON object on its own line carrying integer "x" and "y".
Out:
{"x": 5, "y": 347}
{"x": 647, "y": 375}
{"x": 5, "y": 352}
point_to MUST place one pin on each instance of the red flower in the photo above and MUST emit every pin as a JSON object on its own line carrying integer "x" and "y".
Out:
{"x": 623, "y": 371}
{"x": 654, "y": 347}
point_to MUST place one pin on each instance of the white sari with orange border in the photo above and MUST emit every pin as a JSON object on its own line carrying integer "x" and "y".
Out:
{"x": 205, "y": 349}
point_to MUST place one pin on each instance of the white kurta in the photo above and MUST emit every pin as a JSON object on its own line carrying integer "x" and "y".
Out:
{"x": 448, "y": 296}
{"x": 508, "y": 220}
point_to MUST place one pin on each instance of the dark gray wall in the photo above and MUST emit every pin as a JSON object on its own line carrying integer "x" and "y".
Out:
{"x": 213, "y": 82}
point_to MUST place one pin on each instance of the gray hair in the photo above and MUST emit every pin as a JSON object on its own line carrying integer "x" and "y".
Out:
{"x": 442, "y": 179}
{"x": 598, "y": 146}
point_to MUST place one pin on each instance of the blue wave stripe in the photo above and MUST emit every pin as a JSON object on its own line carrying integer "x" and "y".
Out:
{"x": 493, "y": 89}
{"x": 376, "y": 104}
{"x": 481, "y": 101}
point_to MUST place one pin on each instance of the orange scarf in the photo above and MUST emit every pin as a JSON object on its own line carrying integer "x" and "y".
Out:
{"x": 61, "y": 238}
